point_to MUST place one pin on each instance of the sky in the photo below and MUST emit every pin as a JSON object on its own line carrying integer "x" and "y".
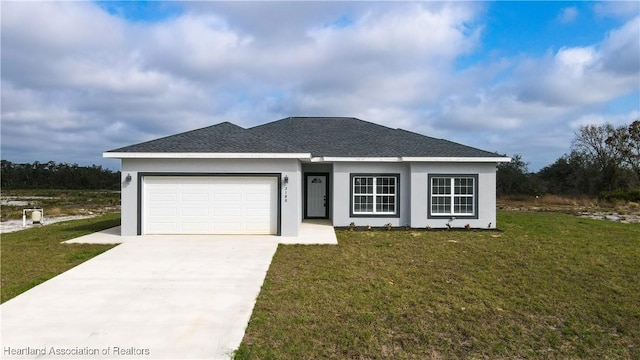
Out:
{"x": 79, "y": 78}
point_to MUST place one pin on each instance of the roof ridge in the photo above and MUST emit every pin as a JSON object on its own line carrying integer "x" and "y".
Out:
{"x": 321, "y": 117}
{"x": 318, "y": 117}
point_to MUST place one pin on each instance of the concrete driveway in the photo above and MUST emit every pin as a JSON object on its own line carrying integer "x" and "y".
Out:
{"x": 171, "y": 297}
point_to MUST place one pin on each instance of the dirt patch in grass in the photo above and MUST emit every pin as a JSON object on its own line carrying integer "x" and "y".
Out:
{"x": 550, "y": 286}
{"x": 58, "y": 202}
{"x": 58, "y": 205}
{"x": 17, "y": 225}
{"x": 618, "y": 211}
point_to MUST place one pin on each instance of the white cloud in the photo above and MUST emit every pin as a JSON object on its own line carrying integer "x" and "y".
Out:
{"x": 39, "y": 38}
{"x": 600, "y": 119}
{"x": 87, "y": 81}
{"x": 618, "y": 9}
{"x": 199, "y": 46}
{"x": 568, "y": 15}
{"x": 574, "y": 61}
{"x": 410, "y": 31}
{"x": 535, "y": 108}
{"x": 621, "y": 50}
{"x": 60, "y": 28}
{"x": 575, "y": 76}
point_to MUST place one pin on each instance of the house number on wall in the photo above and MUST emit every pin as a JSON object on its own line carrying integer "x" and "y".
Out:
{"x": 285, "y": 193}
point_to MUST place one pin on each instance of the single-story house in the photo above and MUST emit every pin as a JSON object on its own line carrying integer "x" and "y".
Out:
{"x": 225, "y": 179}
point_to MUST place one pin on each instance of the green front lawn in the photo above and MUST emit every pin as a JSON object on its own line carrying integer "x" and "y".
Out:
{"x": 549, "y": 286}
{"x": 33, "y": 256}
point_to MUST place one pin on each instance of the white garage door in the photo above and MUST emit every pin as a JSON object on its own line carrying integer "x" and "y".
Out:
{"x": 210, "y": 205}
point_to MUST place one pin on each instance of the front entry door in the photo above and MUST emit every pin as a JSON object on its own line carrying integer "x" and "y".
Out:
{"x": 316, "y": 201}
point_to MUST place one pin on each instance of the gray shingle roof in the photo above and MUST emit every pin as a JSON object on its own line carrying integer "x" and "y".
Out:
{"x": 221, "y": 138}
{"x": 320, "y": 136}
{"x": 351, "y": 137}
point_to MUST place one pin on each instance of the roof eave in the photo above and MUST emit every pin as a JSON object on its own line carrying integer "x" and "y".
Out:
{"x": 199, "y": 155}
{"x": 483, "y": 159}
{"x": 459, "y": 159}
{"x": 301, "y": 156}
{"x": 355, "y": 159}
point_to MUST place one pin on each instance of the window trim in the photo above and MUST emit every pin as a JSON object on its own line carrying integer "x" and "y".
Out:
{"x": 373, "y": 214}
{"x": 476, "y": 195}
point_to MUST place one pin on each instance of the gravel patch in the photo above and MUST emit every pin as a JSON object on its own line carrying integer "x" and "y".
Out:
{"x": 16, "y": 225}
{"x": 612, "y": 216}
{"x": 627, "y": 216}
{"x": 23, "y": 200}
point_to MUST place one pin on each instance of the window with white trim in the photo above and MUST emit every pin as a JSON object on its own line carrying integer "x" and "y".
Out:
{"x": 453, "y": 195}
{"x": 374, "y": 195}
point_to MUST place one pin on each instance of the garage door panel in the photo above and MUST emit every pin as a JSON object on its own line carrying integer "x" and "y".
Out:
{"x": 210, "y": 205}
{"x": 220, "y": 213}
{"x": 195, "y": 228}
{"x": 221, "y": 187}
{"x": 257, "y": 189}
{"x": 196, "y": 196}
{"x": 258, "y": 213}
{"x": 164, "y": 187}
{"x": 196, "y": 212}
{"x": 256, "y": 228}
{"x": 191, "y": 183}
{"x": 258, "y": 198}
{"x": 166, "y": 228}
{"x": 158, "y": 212}
{"x": 259, "y": 205}
{"x": 228, "y": 228}
{"x": 227, "y": 197}
{"x": 163, "y": 197}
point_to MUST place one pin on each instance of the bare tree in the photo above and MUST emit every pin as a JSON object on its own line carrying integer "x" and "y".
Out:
{"x": 626, "y": 140}
{"x": 605, "y": 148}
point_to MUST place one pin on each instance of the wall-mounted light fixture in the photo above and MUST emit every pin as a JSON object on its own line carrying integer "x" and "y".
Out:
{"x": 128, "y": 178}
{"x": 286, "y": 179}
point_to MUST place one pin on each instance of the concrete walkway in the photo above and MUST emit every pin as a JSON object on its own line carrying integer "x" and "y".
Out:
{"x": 171, "y": 297}
{"x": 152, "y": 297}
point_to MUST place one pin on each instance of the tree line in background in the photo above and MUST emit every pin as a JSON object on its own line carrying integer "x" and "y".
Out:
{"x": 604, "y": 162}
{"x": 57, "y": 176}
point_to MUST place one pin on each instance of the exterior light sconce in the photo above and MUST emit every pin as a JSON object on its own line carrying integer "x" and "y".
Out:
{"x": 286, "y": 179}
{"x": 128, "y": 178}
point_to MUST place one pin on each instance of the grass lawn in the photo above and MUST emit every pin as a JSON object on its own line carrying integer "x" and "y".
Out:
{"x": 550, "y": 286}
{"x": 33, "y": 256}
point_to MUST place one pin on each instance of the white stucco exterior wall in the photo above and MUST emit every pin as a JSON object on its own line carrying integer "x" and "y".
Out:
{"x": 486, "y": 193}
{"x": 291, "y": 214}
{"x": 342, "y": 192}
{"x": 414, "y": 186}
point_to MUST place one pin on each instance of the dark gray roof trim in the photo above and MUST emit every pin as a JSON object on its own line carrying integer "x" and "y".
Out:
{"x": 320, "y": 136}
